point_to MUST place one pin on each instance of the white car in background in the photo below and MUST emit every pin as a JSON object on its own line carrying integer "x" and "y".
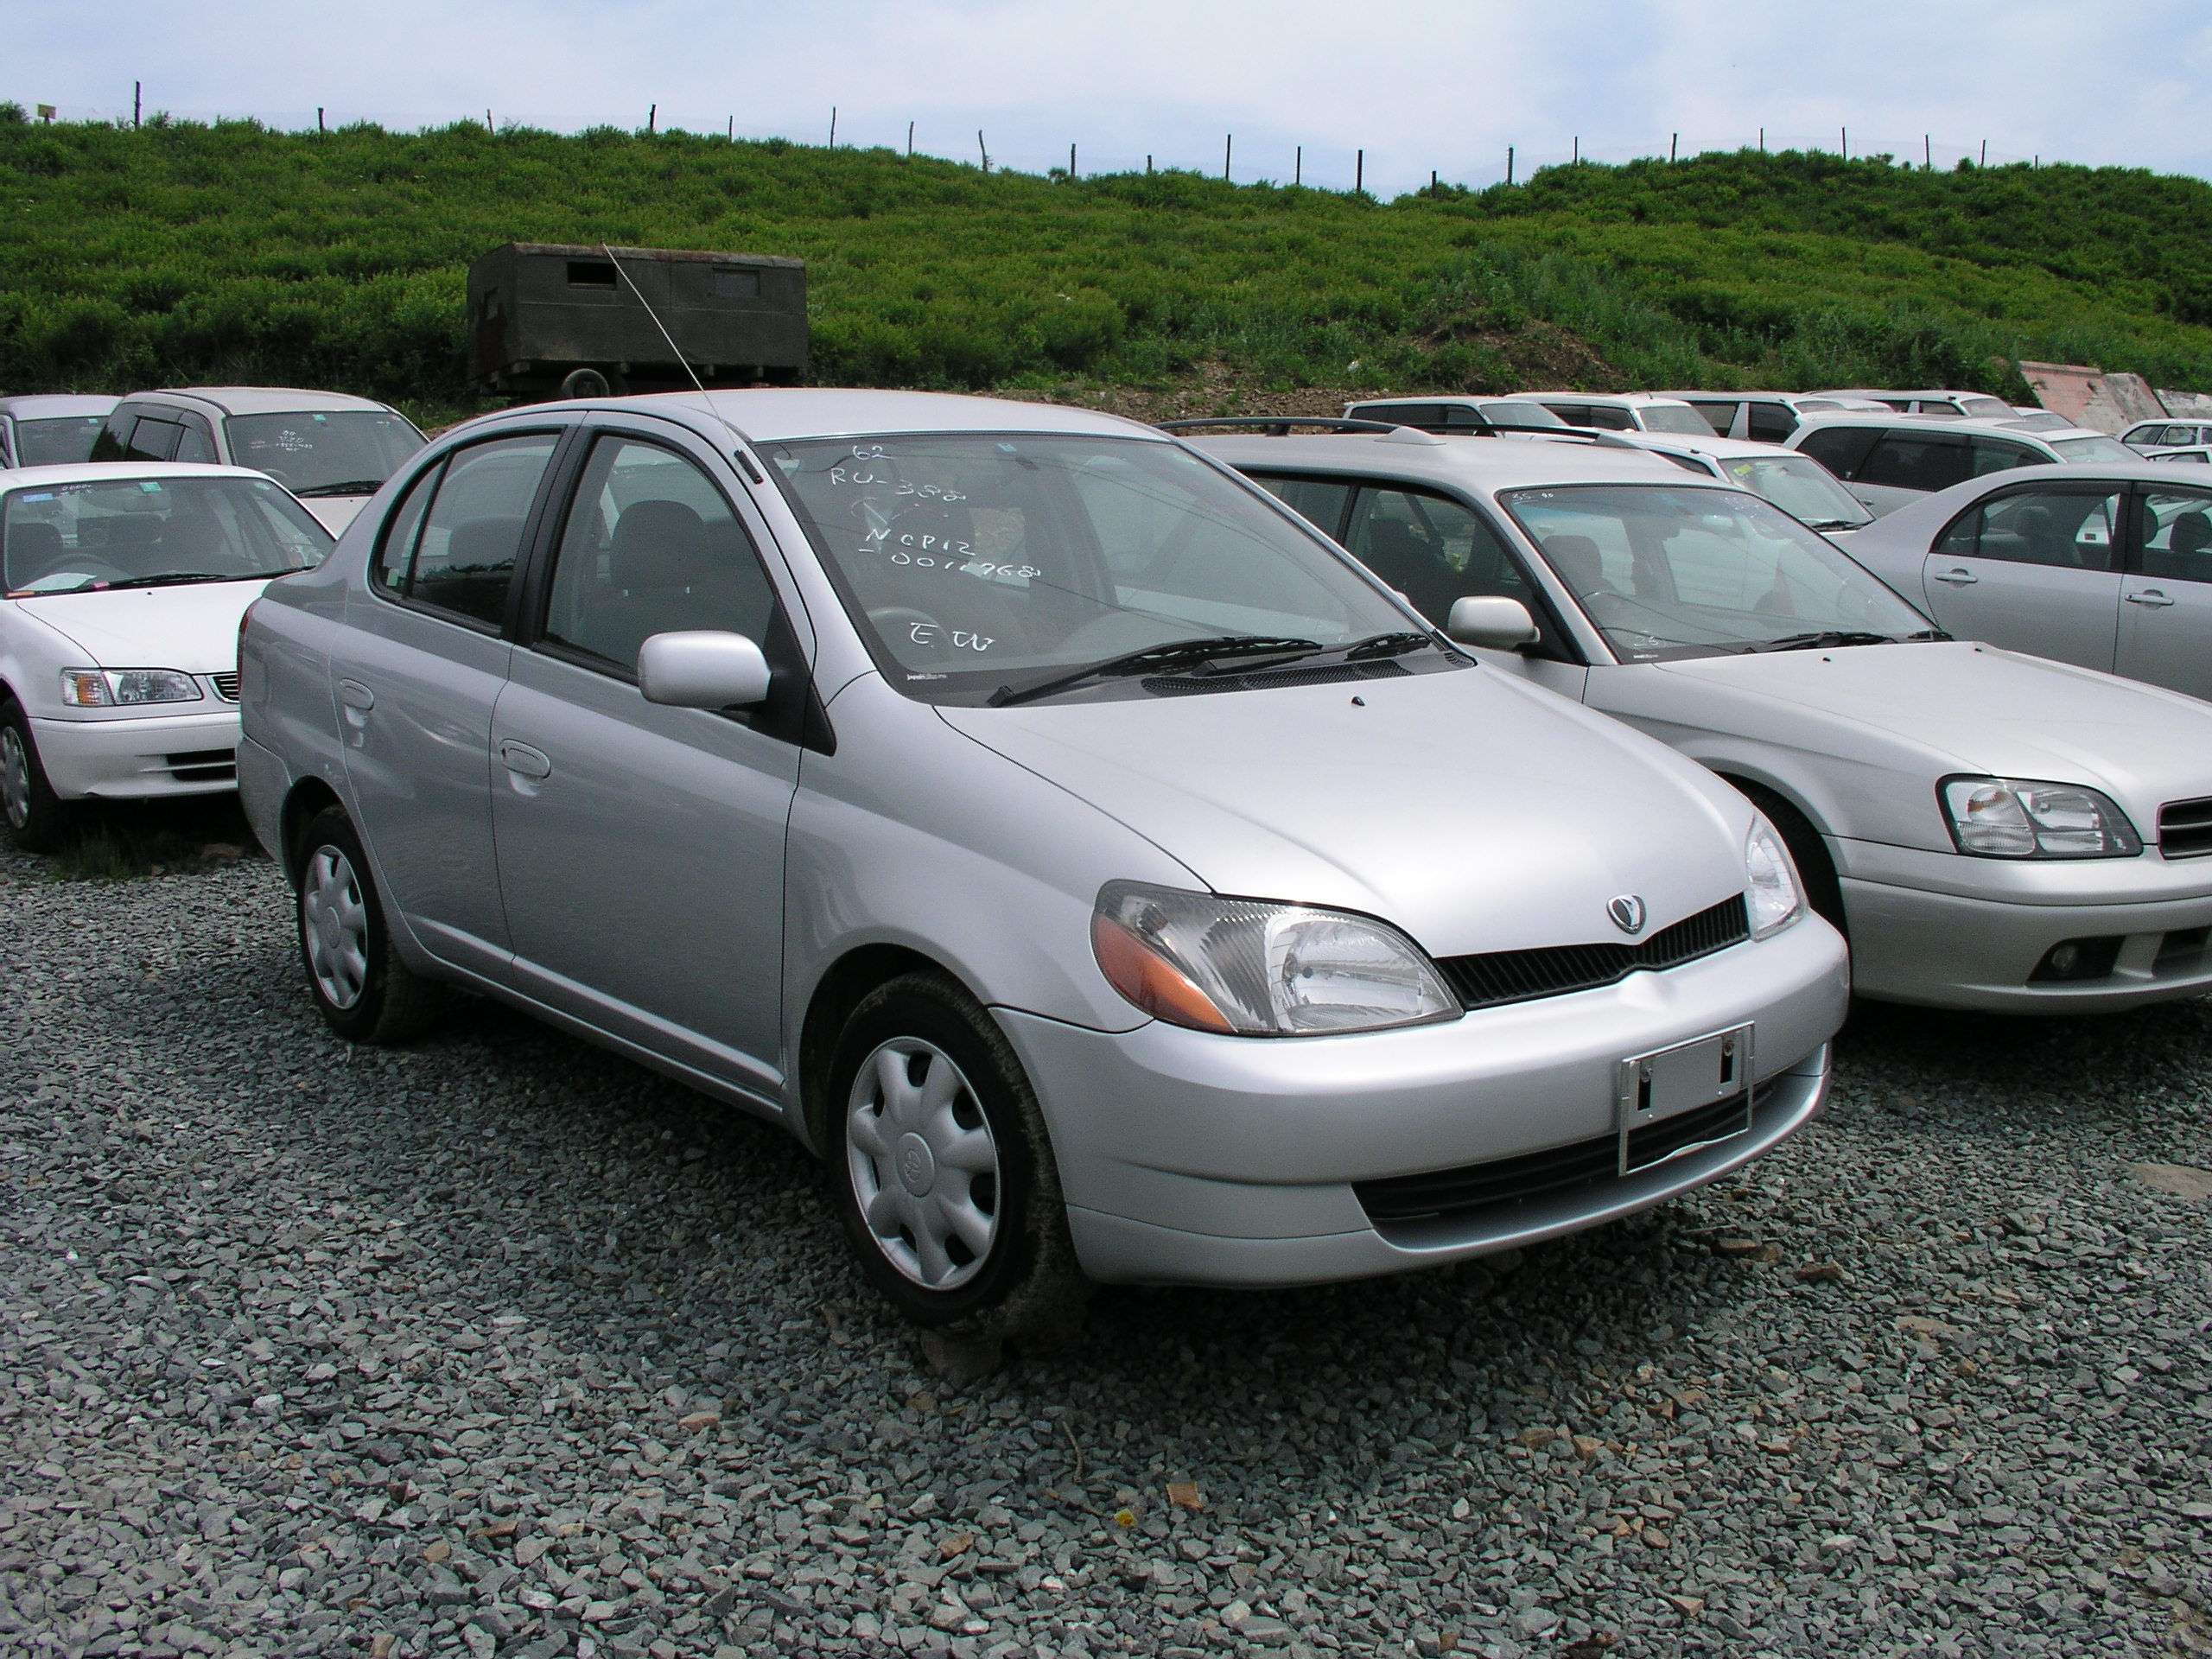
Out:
{"x": 1936, "y": 402}
{"x": 1891, "y": 460}
{"x": 1798, "y": 483}
{"x": 1622, "y": 411}
{"x": 2167, "y": 434}
{"x": 2199, "y": 455}
{"x": 1768, "y": 416}
{"x": 50, "y": 429}
{"x": 331, "y": 450}
{"x": 1993, "y": 832}
{"x": 1455, "y": 413}
{"x": 121, "y": 589}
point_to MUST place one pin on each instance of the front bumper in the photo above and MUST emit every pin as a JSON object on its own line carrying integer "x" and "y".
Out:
{"x": 138, "y": 757}
{"x": 1187, "y": 1158}
{"x": 1921, "y": 934}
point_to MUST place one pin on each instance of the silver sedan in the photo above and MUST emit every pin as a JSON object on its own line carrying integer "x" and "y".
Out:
{"x": 1104, "y": 872}
{"x": 1994, "y": 831}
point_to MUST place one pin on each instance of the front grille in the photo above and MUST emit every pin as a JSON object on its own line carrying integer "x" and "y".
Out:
{"x": 227, "y": 686}
{"x": 2185, "y": 829}
{"x": 203, "y": 766}
{"x": 1447, "y": 1192}
{"x": 1500, "y": 977}
{"x": 1196, "y": 685}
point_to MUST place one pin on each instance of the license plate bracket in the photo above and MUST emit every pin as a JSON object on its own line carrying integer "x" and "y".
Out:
{"x": 1686, "y": 1095}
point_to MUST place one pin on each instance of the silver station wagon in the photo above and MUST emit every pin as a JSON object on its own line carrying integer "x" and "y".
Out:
{"x": 1102, "y": 871}
{"x": 1994, "y": 831}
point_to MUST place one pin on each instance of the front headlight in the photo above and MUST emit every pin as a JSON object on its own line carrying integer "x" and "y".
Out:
{"x": 109, "y": 687}
{"x": 2013, "y": 818}
{"x": 1247, "y": 967}
{"x": 1771, "y": 892}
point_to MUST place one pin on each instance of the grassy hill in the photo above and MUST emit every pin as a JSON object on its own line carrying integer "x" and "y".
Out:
{"x": 182, "y": 252}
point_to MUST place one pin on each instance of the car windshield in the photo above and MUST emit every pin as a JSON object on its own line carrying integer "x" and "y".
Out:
{"x": 1676, "y": 417}
{"x": 326, "y": 452}
{"x": 56, "y": 441}
{"x": 153, "y": 532}
{"x": 982, "y": 565}
{"x": 1801, "y": 486}
{"x": 1669, "y": 573}
{"x": 2097, "y": 447}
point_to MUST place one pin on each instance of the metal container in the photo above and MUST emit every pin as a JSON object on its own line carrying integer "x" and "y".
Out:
{"x": 551, "y": 321}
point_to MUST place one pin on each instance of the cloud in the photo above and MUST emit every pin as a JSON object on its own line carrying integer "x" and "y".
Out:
{"x": 1417, "y": 84}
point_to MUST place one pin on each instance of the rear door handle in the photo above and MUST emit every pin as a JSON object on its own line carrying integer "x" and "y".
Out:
{"x": 2148, "y": 596}
{"x": 354, "y": 694}
{"x": 1957, "y": 578}
{"x": 521, "y": 759}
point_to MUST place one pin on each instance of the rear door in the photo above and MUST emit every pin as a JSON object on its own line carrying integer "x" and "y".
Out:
{"x": 2034, "y": 569}
{"x": 418, "y": 668}
{"x": 2165, "y": 609}
{"x": 1906, "y": 464}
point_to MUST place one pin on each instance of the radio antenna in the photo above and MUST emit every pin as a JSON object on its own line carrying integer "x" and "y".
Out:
{"x": 744, "y": 457}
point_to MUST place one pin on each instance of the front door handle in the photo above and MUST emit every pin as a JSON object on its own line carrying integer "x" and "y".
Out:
{"x": 354, "y": 694}
{"x": 2148, "y": 596}
{"x": 1957, "y": 578}
{"x": 521, "y": 759}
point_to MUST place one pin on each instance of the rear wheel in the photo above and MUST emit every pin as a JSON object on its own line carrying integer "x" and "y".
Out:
{"x": 942, "y": 1172}
{"x": 38, "y": 819}
{"x": 365, "y": 993}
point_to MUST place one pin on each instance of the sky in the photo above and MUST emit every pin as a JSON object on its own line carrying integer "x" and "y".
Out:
{"x": 1417, "y": 85}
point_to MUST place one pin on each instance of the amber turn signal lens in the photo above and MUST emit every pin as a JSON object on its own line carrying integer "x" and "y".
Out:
{"x": 1152, "y": 983}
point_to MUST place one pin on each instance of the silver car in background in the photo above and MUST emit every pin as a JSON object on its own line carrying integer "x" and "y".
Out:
{"x": 50, "y": 429}
{"x": 1104, "y": 872}
{"x": 1993, "y": 832}
{"x": 1890, "y": 461}
{"x": 2106, "y": 566}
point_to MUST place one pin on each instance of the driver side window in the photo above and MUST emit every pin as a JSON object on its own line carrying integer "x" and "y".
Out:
{"x": 652, "y": 546}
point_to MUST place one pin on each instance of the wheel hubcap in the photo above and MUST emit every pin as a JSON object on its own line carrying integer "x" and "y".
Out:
{"x": 924, "y": 1165}
{"x": 335, "y": 924}
{"x": 15, "y": 778}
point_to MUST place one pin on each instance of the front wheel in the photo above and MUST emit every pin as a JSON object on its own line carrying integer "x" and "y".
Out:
{"x": 942, "y": 1172}
{"x": 365, "y": 993}
{"x": 38, "y": 819}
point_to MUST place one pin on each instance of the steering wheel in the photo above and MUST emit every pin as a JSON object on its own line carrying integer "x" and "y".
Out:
{"x": 892, "y": 620}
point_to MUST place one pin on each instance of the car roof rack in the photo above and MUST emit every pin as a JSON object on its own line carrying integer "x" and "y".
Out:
{"x": 1278, "y": 425}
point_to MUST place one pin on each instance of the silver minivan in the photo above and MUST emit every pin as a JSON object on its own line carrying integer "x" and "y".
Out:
{"x": 1100, "y": 869}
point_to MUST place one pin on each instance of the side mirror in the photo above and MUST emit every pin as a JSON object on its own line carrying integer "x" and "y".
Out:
{"x": 1491, "y": 620}
{"x": 702, "y": 669}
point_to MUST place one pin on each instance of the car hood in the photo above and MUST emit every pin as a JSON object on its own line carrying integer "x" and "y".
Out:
{"x": 193, "y": 628}
{"x": 334, "y": 513}
{"x": 1954, "y": 707}
{"x": 1476, "y": 812}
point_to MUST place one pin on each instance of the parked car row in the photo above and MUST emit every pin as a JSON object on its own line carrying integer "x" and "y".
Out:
{"x": 1235, "y": 859}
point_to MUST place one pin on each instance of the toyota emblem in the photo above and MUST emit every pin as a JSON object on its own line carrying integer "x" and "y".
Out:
{"x": 1627, "y": 912}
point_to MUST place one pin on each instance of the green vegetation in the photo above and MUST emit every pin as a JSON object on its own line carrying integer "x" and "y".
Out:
{"x": 182, "y": 253}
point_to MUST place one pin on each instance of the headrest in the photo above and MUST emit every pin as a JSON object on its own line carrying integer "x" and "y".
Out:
{"x": 1576, "y": 560}
{"x": 2192, "y": 533}
{"x": 483, "y": 544}
{"x": 656, "y": 544}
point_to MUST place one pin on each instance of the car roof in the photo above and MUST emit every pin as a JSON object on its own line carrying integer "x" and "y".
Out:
{"x": 1720, "y": 447}
{"x": 773, "y": 413}
{"x": 261, "y": 400}
{"x": 109, "y": 472}
{"x": 1972, "y": 426}
{"x": 1611, "y": 399}
{"x": 1467, "y": 463}
{"x": 1458, "y": 399}
{"x": 54, "y": 405}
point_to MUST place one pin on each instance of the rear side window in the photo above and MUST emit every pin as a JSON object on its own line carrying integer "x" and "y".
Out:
{"x": 1771, "y": 422}
{"x": 2177, "y": 532}
{"x": 1914, "y": 461}
{"x": 1994, "y": 455}
{"x": 1319, "y": 501}
{"x": 452, "y": 542}
{"x": 1841, "y": 448}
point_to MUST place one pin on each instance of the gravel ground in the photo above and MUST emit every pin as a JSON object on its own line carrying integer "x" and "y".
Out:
{"x": 499, "y": 1345}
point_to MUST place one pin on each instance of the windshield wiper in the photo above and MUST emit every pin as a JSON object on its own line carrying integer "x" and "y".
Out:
{"x": 178, "y": 578}
{"x": 1830, "y": 636}
{"x": 1185, "y": 655}
{"x": 351, "y": 486}
{"x": 1388, "y": 645}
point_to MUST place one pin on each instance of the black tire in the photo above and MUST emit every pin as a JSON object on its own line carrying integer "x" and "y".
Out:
{"x": 366, "y": 995}
{"x": 587, "y": 383}
{"x": 38, "y": 821}
{"x": 1822, "y": 890}
{"x": 1022, "y": 1278}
